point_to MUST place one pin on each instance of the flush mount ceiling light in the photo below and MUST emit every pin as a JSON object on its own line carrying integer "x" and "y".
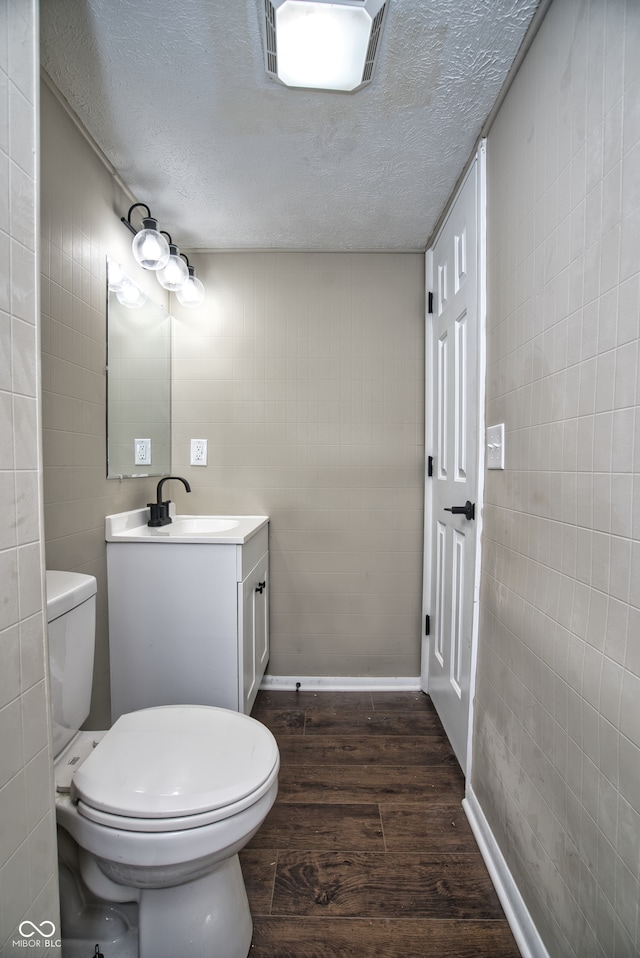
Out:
{"x": 323, "y": 44}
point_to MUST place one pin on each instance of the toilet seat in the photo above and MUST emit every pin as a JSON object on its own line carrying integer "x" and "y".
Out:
{"x": 177, "y": 824}
{"x": 176, "y": 767}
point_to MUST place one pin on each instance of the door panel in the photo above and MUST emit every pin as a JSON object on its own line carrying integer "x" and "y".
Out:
{"x": 440, "y": 606}
{"x": 442, "y": 459}
{"x": 461, "y": 396}
{"x": 453, "y": 349}
{"x": 457, "y": 613}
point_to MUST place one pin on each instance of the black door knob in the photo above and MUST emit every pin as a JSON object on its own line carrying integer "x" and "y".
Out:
{"x": 468, "y": 510}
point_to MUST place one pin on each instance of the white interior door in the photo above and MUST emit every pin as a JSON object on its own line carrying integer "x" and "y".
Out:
{"x": 454, "y": 401}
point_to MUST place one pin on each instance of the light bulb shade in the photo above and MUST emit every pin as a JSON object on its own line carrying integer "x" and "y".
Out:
{"x": 149, "y": 246}
{"x": 192, "y": 293}
{"x": 323, "y": 44}
{"x": 115, "y": 276}
{"x": 174, "y": 274}
{"x": 129, "y": 295}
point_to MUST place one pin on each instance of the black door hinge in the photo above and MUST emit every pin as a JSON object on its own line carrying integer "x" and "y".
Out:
{"x": 430, "y": 303}
{"x": 429, "y": 466}
{"x": 427, "y": 625}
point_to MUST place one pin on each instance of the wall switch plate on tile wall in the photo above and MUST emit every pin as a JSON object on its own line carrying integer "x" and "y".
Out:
{"x": 495, "y": 446}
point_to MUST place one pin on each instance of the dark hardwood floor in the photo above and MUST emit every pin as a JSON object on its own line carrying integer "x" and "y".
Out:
{"x": 367, "y": 851}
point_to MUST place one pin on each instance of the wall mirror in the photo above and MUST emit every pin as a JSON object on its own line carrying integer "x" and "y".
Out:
{"x": 138, "y": 380}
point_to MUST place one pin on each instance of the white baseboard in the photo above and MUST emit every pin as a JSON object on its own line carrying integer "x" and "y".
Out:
{"x": 339, "y": 683}
{"x": 517, "y": 914}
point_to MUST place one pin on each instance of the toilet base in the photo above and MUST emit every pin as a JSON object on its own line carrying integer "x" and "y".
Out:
{"x": 86, "y": 919}
{"x": 206, "y": 918}
{"x": 85, "y": 947}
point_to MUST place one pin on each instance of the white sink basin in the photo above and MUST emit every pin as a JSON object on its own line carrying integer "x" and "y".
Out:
{"x": 200, "y": 525}
{"x": 132, "y": 527}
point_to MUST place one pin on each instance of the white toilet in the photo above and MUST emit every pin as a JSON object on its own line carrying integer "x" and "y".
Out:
{"x": 159, "y": 805}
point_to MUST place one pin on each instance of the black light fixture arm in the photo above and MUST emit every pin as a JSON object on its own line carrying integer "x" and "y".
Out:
{"x": 186, "y": 259}
{"x": 168, "y": 235}
{"x": 127, "y": 220}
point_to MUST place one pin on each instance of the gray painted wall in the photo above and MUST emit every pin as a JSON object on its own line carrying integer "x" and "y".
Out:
{"x": 557, "y": 721}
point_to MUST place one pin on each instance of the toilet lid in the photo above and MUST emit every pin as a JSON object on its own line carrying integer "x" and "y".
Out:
{"x": 176, "y": 760}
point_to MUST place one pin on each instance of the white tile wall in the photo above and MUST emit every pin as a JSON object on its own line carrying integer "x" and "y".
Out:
{"x": 28, "y": 868}
{"x": 80, "y": 226}
{"x": 305, "y": 372}
{"x": 557, "y": 735}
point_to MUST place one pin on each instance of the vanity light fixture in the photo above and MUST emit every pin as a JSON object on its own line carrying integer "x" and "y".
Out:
{"x": 174, "y": 274}
{"x": 123, "y": 286}
{"x": 116, "y": 276}
{"x": 190, "y": 293}
{"x": 130, "y": 296}
{"x": 323, "y": 44}
{"x": 152, "y": 251}
{"x": 149, "y": 246}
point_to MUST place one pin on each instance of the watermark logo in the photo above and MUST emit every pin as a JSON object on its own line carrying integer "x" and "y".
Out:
{"x": 27, "y": 929}
{"x": 36, "y": 936}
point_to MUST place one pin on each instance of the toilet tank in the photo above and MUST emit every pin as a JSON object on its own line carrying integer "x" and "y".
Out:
{"x": 71, "y": 616}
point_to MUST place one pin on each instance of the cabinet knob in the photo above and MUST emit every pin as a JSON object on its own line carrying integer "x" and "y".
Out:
{"x": 261, "y": 586}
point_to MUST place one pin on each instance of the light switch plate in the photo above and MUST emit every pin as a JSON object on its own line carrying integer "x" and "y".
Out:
{"x": 495, "y": 446}
{"x": 142, "y": 452}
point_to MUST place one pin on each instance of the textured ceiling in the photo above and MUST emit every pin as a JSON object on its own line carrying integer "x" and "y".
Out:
{"x": 177, "y": 97}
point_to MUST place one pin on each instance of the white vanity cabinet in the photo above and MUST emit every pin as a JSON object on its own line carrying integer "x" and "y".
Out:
{"x": 253, "y": 631}
{"x": 188, "y": 621}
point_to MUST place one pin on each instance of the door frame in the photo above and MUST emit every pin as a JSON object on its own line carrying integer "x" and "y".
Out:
{"x": 477, "y": 167}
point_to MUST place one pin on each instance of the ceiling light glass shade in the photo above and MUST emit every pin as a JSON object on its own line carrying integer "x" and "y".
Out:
{"x": 115, "y": 275}
{"x": 149, "y": 246}
{"x": 175, "y": 273}
{"x": 129, "y": 295}
{"x": 323, "y": 45}
{"x": 192, "y": 292}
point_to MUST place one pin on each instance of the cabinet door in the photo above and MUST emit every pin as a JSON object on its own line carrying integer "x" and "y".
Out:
{"x": 254, "y": 636}
{"x": 262, "y": 620}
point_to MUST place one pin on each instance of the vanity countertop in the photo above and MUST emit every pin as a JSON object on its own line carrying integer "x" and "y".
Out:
{"x": 232, "y": 530}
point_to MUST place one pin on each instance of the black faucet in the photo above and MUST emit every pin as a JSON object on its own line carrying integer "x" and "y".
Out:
{"x": 160, "y": 510}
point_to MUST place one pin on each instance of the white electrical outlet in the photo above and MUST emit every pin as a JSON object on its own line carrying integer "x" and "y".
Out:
{"x": 495, "y": 446}
{"x": 198, "y": 452}
{"x": 142, "y": 452}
